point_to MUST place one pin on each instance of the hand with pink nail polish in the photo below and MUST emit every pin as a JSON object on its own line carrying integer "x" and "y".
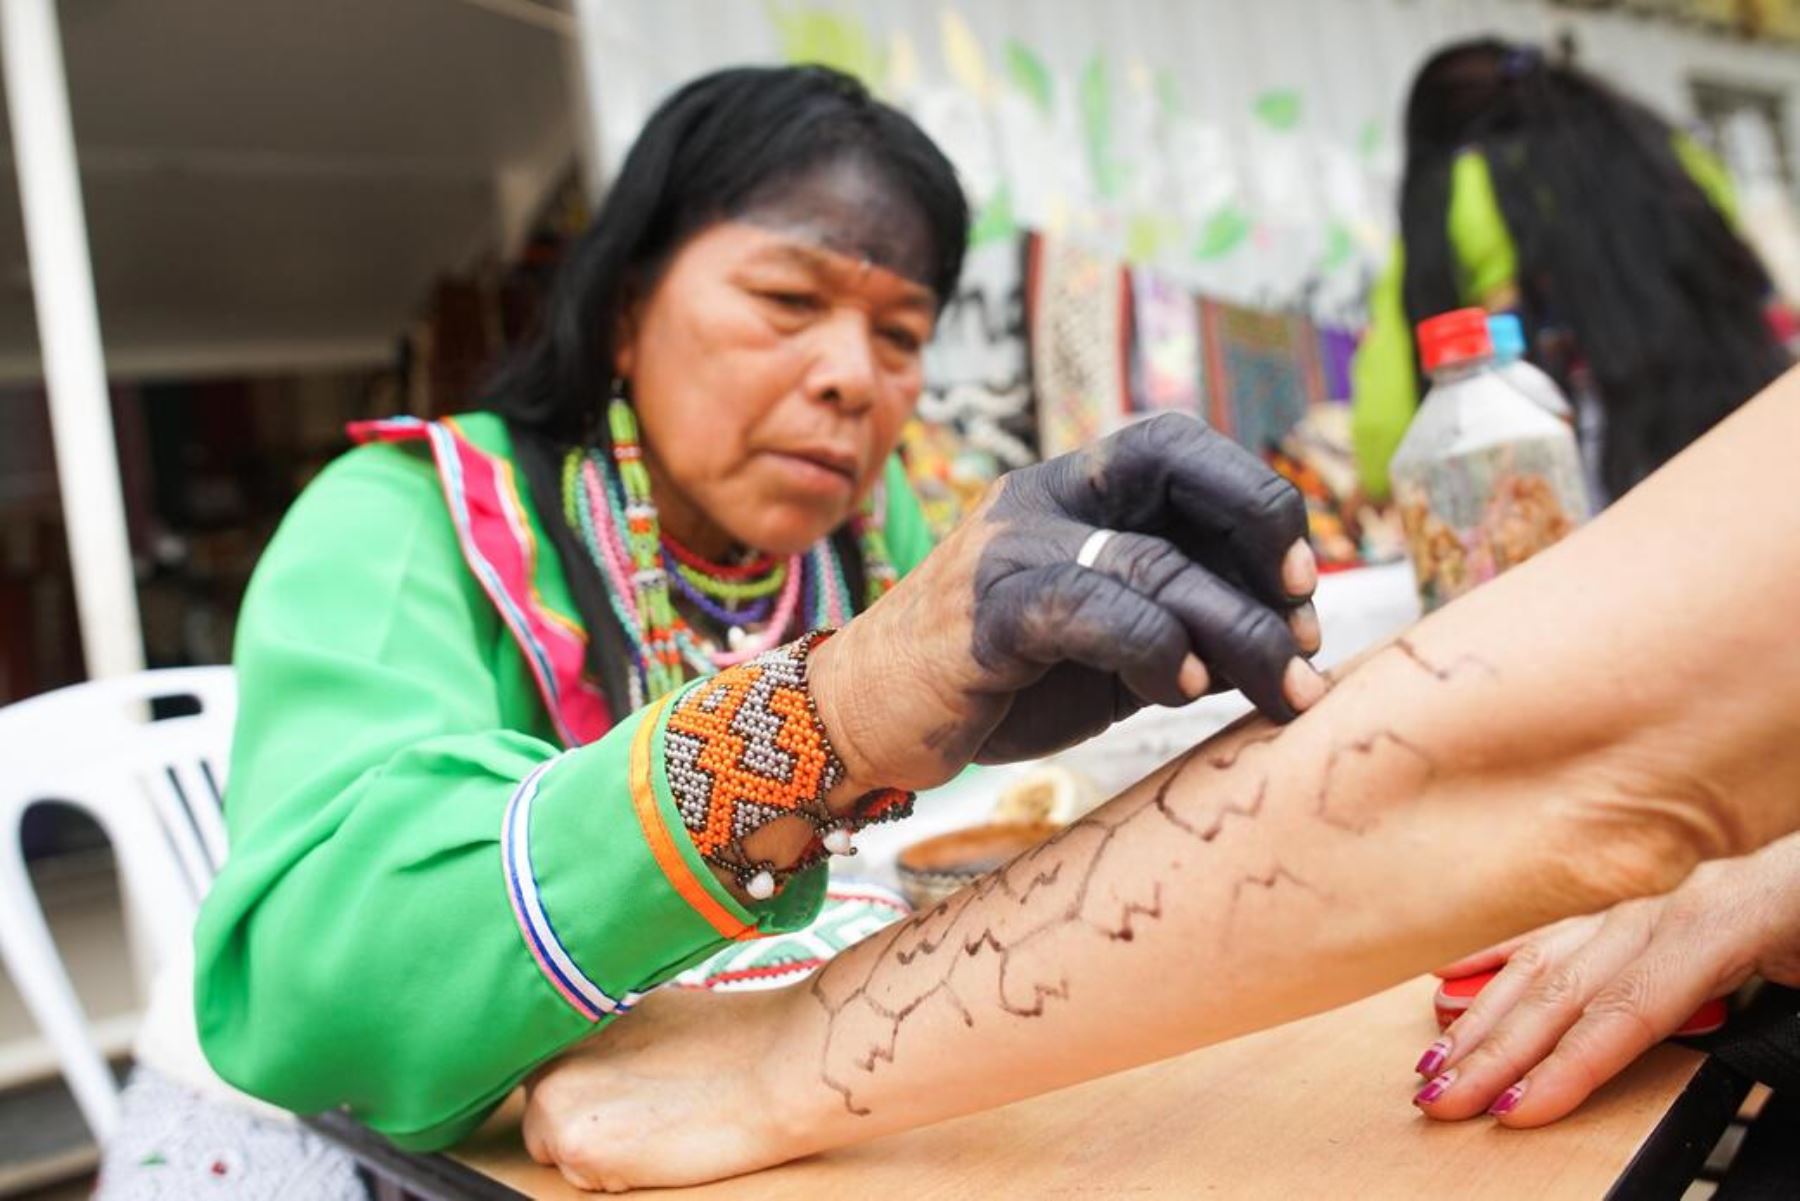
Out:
{"x": 1575, "y": 1003}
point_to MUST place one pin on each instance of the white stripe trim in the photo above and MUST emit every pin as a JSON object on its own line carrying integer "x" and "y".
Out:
{"x": 516, "y": 847}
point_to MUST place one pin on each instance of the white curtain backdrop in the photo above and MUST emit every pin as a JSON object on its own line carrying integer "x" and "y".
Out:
{"x": 1249, "y": 148}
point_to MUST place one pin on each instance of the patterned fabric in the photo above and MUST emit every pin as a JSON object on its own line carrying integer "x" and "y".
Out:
{"x": 173, "y": 1144}
{"x": 947, "y": 474}
{"x": 853, "y": 911}
{"x": 1165, "y": 343}
{"x": 978, "y": 366}
{"x": 976, "y": 418}
{"x": 1262, "y": 372}
{"x": 1337, "y": 350}
{"x": 502, "y": 553}
{"x": 1076, "y": 304}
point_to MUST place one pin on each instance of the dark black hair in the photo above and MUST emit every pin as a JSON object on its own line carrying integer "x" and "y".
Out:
{"x": 713, "y": 147}
{"x": 723, "y": 143}
{"x": 1617, "y": 244}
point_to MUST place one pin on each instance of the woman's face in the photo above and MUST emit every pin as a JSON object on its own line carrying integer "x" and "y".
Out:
{"x": 771, "y": 377}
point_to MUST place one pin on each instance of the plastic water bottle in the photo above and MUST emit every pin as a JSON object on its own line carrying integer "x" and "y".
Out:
{"x": 1586, "y": 417}
{"x": 1485, "y": 478}
{"x": 1508, "y": 335}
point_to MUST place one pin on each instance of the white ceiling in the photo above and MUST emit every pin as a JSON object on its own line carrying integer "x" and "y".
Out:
{"x": 275, "y": 183}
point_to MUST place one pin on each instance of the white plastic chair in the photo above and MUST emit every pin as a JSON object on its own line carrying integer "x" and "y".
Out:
{"x": 155, "y": 789}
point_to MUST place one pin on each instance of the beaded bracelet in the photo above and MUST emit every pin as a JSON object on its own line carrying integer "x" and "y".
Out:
{"x": 746, "y": 747}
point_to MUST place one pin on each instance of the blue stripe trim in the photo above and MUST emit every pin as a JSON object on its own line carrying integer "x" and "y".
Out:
{"x": 587, "y": 998}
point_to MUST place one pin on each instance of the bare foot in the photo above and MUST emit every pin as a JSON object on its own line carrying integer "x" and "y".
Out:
{"x": 672, "y": 1093}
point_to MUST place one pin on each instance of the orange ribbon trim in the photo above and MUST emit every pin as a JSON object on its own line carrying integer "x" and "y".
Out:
{"x": 661, "y": 841}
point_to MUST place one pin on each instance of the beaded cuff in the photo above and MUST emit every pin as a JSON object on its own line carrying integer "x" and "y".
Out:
{"x": 746, "y": 747}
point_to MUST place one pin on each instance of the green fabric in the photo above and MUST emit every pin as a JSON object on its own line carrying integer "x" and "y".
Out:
{"x": 908, "y": 537}
{"x": 359, "y": 947}
{"x": 1486, "y": 259}
{"x": 1384, "y": 380}
{"x": 1382, "y": 388}
{"x": 1709, "y": 172}
{"x": 1384, "y": 383}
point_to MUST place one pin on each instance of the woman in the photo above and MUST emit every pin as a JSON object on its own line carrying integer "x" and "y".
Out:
{"x": 1534, "y": 187}
{"x": 486, "y": 789}
{"x": 1579, "y": 732}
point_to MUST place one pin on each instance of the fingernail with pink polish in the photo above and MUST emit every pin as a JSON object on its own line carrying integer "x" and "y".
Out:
{"x": 1507, "y": 1100}
{"x": 1439, "y": 1084}
{"x": 1434, "y": 1058}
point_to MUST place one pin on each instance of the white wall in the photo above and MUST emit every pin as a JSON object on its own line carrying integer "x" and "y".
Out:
{"x": 1248, "y": 147}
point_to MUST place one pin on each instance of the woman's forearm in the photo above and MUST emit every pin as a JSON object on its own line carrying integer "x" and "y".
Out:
{"x": 1583, "y": 730}
{"x": 1268, "y": 874}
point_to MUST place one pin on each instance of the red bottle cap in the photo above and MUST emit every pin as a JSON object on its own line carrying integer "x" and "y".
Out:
{"x": 1459, "y": 336}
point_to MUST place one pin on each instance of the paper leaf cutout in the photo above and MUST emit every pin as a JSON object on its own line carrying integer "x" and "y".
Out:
{"x": 1223, "y": 232}
{"x": 1029, "y": 74}
{"x": 1279, "y": 109}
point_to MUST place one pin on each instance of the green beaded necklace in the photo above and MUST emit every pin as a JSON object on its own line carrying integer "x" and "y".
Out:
{"x": 608, "y": 503}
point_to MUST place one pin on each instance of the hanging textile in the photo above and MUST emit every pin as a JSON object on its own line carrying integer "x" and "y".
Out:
{"x": 975, "y": 419}
{"x": 1337, "y": 346}
{"x": 1077, "y": 306}
{"x": 1262, "y": 372}
{"x": 1165, "y": 345}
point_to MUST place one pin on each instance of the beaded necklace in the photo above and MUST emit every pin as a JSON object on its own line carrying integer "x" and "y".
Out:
{"x": 607, "y": 502}
{"x": 754, "y": 613}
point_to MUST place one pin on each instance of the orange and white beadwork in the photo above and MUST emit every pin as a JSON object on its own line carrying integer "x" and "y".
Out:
{"x": 745, "y": 748}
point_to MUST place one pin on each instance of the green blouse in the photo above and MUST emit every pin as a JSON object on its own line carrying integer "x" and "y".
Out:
{"x": 374, "y": 941}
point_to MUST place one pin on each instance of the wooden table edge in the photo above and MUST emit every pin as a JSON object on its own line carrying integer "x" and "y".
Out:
{"x": 1660, "y": 1169}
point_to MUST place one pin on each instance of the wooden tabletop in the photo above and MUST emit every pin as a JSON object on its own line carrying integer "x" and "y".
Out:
{"x": 1318, "y": 1108}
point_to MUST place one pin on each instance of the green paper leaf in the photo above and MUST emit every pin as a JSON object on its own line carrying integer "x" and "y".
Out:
{"x": 1143, "y": 238}
{"x": 1279, "y": 109}
{"x": 1029, "y": 74}
{"x": 816, "y": 35}
{"x": 1096, "y": 125}
{"x": 1223, "y": 232}
{"x": 1168, "y": 95}
{"x": 1338, "y": 247}
{"x": 995, "y": 221}
{"x": 1368, "y": 139}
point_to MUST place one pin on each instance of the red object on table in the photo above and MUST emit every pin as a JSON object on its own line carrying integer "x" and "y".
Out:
{"x": 1454, "y": 996}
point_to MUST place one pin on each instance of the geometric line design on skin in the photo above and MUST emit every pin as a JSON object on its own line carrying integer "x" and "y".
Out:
{"x": 961, "y": 931}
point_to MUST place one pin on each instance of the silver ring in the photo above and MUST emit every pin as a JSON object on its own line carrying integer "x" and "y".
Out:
{"x": 1090, "y": 550}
